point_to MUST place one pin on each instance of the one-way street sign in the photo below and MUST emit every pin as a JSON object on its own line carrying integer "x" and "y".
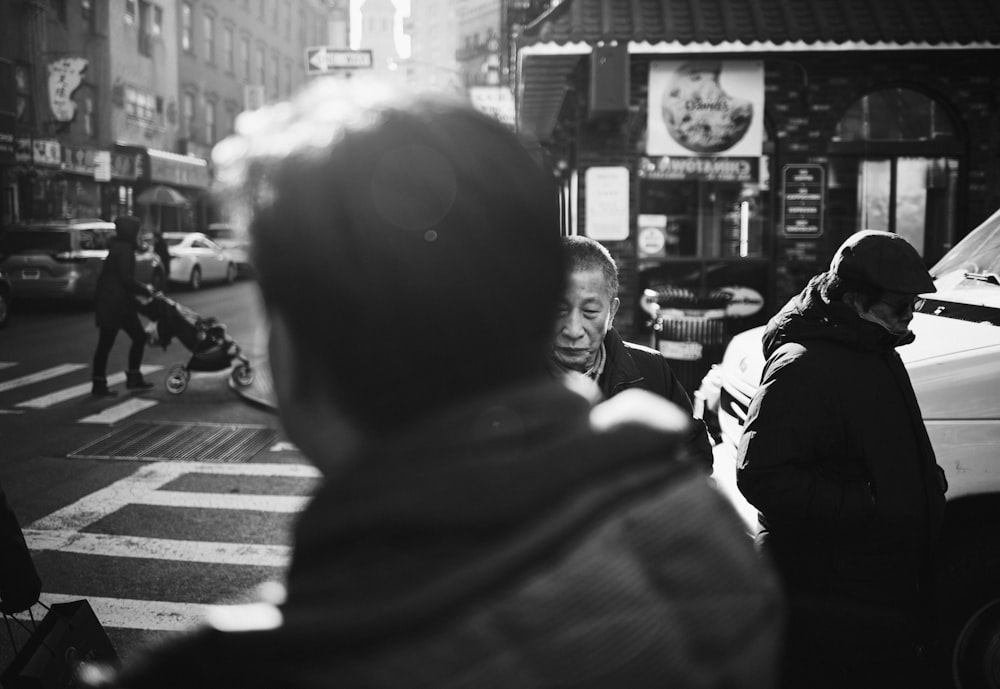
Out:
{"x": 324, "y": 59}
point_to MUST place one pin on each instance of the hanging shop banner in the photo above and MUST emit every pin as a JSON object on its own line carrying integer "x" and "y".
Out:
{"x": 607, "y": 193}
{"x": 672, "y": 168}
{"x": 802, "y": 201}
{"x": 65, "y": 75}
{"x": 39, "y": 152}
{"x": 180, "y": 170}
{"x": 705, "y": 107}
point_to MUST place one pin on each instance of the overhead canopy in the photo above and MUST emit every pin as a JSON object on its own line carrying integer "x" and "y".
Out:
{"x": 550, "y": 48}
{"x": 161, "y": 195}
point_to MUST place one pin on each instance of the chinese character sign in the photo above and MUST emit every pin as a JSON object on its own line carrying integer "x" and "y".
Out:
{"x": 64, "y": 78}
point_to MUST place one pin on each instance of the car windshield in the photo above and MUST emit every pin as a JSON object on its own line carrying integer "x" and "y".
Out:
{"x": 174, "y": 241}
{"x": 976, "y": 257}
{"x": 16, "y": 241}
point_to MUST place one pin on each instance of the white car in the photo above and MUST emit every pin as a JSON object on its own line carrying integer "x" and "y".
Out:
{"x": 954, "y": 365}
{"x": 196, "y": 259}
{"x": 233, "y": 240}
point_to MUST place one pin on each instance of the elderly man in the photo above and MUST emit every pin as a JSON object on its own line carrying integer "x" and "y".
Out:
{"x": 479, "y": 525}
{"x": 586, "y": 341}
{"x": 835, "y": 457}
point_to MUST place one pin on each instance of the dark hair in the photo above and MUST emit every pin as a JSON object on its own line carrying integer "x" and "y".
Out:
{"x": 409, "y": 241}
{"x": 833, "y": 287}
{"x": 584, "y": 253}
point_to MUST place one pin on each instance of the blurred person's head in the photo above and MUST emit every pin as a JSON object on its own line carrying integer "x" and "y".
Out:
{"x": 127, "y": 228}
{"x": 406, "y": 247}
{"x": 879, "y": 275}
{"x": 588, "y": 305}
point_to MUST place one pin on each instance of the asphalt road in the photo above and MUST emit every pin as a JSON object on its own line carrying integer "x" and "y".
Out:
{"x": 152, "y": 506}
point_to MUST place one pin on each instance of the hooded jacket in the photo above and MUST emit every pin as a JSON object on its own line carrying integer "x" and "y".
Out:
{"x": 114, "y": 300}
{"x": 836, "y": 458}
{"x": 522, "y": 540}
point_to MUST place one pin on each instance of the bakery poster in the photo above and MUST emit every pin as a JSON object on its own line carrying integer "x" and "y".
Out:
{"x": 705, "y": 107}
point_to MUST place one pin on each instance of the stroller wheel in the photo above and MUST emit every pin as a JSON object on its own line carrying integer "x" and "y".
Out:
{"x": 177, "y": 380}
{"x": 243, "y": 375}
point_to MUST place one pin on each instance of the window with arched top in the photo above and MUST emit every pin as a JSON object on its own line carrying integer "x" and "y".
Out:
{"x": 895, "y": 157}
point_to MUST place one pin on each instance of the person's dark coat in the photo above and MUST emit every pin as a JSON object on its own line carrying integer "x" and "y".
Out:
{"x": 114, "y": 301}
{"x": 521, "y": 539}
{"x": 629, "y": 365}
{"x": 19, "y": 581}
{"x": 836, "y": 458}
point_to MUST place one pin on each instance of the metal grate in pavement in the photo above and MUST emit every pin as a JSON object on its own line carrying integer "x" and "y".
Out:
{"x": 193, "y": 442}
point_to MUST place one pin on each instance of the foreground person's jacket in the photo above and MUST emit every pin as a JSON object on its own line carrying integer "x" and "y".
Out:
{"x": 516, "y": 541}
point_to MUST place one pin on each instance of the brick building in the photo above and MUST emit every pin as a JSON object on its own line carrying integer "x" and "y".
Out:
{"x": 725, "y": 148}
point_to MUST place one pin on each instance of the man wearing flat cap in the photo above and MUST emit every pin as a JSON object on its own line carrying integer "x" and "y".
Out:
{"x": 837, "y": 461}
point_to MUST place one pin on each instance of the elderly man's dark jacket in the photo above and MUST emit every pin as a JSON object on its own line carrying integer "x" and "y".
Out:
{"x": 836, "y": 458}
{"x": 114, "y": 301}
{"x": 629, "y": 365}
{"x": 519, "y": 539}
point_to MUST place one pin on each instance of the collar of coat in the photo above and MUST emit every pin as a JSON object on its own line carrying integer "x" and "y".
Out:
{"x": 620, "y": 369}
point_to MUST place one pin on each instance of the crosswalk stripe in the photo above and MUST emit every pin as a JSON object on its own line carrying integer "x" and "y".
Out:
{"x": 7, "y": 364}
{"x": 223, "y": 501}
{"x": 39, "y": 376}
{"x": 147, "y": 480}
{"x": 120, "y": 411}
{"x": 158, "y": 548}
{"x": 128, "y": 613}
{"x": 78, "y": 390}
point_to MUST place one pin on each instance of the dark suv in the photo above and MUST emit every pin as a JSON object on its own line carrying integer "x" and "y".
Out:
{"x": 62, "y": 259}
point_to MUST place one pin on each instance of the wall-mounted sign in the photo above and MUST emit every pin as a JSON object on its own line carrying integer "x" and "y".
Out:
{"x": 495, "y": 101}
{"x": 324, "y": 59}
{"x": 65, "y": 75}
{"x": 102, "y": 166}
{"x": 184, "y": 171}
{"x": 607, "y": 203}
{"x": 78, "y": 159}
{"x": 803, "y": 194}
{"x": 705, "y": 107}
{"x": 703, "y": 169}
{"x": 651, "y": 235}
{"x": 46, "y": 152}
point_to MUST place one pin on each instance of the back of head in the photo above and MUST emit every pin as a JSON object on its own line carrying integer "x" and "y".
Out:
{"x": 881, "y": 260}
{"x": 127, "y": 227}
{"x": 409, "y": 242}
{"x": 584, "y": 254}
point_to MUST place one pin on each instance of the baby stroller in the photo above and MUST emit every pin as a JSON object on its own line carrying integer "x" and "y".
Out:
{"x": 212, "y": 349}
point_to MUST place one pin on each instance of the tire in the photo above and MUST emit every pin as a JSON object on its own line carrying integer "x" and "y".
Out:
{"x": 194, "y": 281}
{"x": 243, "y": 375}
{"x": 969, "y": 591}
{"x": 177, "y": 380}
{"x": 230, "y": 273}
{"x": 4, "y": 309}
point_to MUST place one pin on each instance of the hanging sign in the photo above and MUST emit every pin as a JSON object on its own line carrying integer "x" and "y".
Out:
{"x": 804, "y": 188}
{"x": 607, "y": 195}
{"x": 705, "y": 107}
{"x": 65, "y": 75}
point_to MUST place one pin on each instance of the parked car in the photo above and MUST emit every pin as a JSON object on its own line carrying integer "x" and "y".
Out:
{"x": 235, "y": 241}
{"x": 955, "y": 368}
{"x": 61, "y": 259}
{"x": 195, "y": 259}
{"x": 5, "y": 297}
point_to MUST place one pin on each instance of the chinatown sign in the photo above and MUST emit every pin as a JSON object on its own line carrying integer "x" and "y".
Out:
{"x": 702, "y": 168}
{"x": 65, "y": 75}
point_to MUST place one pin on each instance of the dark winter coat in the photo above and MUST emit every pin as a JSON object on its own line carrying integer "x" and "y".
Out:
{"x": 114, "y": 301}
{"x": 518, "y": 540}
{"x": 836, "y": 458}
{"x": 19, "y": 582}
{"x": 630, "y": 365}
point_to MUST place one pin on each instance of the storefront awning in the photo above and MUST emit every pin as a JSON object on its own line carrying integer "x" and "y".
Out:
{"x": 549, "y": 48}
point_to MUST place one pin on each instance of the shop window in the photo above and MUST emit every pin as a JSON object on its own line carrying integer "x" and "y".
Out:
{"x": 894, "y": 166}
{"x": 130, "y": 11}
{"x": 227, "y": 48}
{"x": 209, "y": 27}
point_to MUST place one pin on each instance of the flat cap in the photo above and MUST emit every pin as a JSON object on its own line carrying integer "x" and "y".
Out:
{"x": 884, "y": 260}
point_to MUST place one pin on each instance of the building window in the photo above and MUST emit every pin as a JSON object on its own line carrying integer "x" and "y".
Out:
{"x": 89, "y": 117}
{"x": 156, "y": 24}
{"x": 210, "y": 122}
{"x": 245, "y": 58}
{"x": 187, "y": 115}
{"x": 130, "y": 11}
{"x": 227, "y": 48}
{"x": 87, "y": 14}
{"x": 275, "y": 77}
{"x": 288, "y": 79}
{"x": 60, "y": 8}
{"x": 187, "y": 22}
{"x": 302, "y": 27}
{"x": 148, "y": 28}
{"x": 260, "y": 67}
{"x": 140, "y": 106}
{"x": 209, "y": 25}
{"x": 894, "y": 166}
{"x": 288, "y": 20}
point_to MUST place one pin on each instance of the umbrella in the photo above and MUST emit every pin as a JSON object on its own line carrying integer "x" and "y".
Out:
{"x": 161, "y": 195}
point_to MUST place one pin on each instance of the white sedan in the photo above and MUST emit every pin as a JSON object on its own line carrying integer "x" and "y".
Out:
{"x": 194, "y": 259}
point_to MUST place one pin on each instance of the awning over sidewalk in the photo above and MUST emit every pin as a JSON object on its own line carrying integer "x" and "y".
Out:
{"x": 550, "y": 48}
